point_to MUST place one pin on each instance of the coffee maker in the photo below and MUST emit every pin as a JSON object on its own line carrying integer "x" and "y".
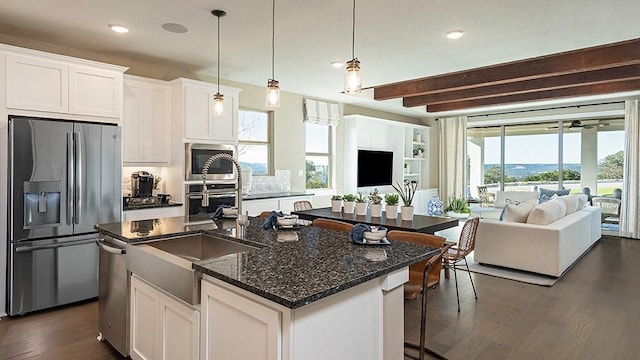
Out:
{"x": 141, "y": 184}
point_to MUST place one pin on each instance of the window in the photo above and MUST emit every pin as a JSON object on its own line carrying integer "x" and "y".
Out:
{"x": 319, "y": 155}
{"x": 254, "y": 145}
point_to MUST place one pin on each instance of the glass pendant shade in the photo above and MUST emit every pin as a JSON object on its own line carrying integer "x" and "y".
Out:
{"x": 353, "y": 79}
{"x": 273, "y": 93}
{"x": 218, "y": 104}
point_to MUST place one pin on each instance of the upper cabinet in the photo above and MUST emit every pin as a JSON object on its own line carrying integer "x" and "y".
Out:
{"x": 49, "y": 83}
{"x": 146, "y": 122}
{"x": 193, "y": 107}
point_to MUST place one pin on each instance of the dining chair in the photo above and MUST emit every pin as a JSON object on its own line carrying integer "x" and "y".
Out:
{"x": 459, "y": 252}
{"x": 332, "y": 224}
{"x": 302, "y": 205}
{"x": 432, "y": 262}
{"x": 264, "y": 214}
{"x": 413, "y": 287}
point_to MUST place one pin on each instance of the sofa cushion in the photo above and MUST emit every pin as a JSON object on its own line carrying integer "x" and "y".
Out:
{"x": 544, "y": 213}
{"x": 518, "y": 211}
{"x": 515, "y": 195}
{"x": 546, "y": 194}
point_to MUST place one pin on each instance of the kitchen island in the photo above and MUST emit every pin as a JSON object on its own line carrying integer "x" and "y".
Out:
{"x": 308, "y": 293}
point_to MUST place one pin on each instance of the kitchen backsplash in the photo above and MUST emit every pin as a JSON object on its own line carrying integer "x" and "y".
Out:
{"x": 280, "y": 182}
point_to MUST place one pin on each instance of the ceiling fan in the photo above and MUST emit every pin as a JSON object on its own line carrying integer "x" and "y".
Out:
{"x": 576, "y": 124}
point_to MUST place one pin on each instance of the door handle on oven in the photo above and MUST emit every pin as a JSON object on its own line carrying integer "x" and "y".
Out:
{"x": 22, "y": 249}
{"x": 198, "y": 196}
{"x": 110, "y": 249}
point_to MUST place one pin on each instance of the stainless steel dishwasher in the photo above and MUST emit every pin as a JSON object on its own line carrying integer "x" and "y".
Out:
{"x": 113, "y": 294}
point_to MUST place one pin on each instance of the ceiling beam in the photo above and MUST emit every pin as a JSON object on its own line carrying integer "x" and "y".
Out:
{"x": 588, "y": 59}
{"x": 583, "y": 90}
{"x": 628, "y": 72}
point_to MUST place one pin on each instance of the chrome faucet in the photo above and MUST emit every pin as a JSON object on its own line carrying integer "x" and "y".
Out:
{"x": 205, "y": 171}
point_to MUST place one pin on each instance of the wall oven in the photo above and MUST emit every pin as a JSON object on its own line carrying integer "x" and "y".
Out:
{"x": 198, "y": 154}
{"x": 219, "y": 194}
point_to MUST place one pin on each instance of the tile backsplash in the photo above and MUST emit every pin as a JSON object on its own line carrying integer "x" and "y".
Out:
{"x": 280, "y": 182}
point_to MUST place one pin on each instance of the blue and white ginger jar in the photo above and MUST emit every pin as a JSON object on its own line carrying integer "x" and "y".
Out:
{"x": 435, "y": 206}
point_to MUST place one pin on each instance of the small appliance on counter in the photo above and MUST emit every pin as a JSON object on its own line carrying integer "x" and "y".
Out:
{"x": 142, "y": 189}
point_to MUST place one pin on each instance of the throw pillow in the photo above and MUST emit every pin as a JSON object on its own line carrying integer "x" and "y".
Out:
{"x": 507, "y": 201}
{"x": 518, "y": 211}
{"x": 544, "y": 214}
{"x": 559, "y": 202}
{"x": 582, "y": 201}
{"x": 546, "y": 194}
{"x": 572, "y": 202}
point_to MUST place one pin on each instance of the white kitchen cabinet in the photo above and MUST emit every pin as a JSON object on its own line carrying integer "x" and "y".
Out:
{"x": 284, "y": 204}
{"x": 161, "y": 326}
{"x": 236, "y": 327}
{"x": 193, "y": 109}
{"x": 50, "y": 83}
{"x": 146, "y": 122}
{"x": 153, "y": 213}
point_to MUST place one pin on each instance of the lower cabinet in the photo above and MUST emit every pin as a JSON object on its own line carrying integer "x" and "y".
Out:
{"x": 235, "y": 327}
{"x": 284, "y": 204}
{"x": 161, "y": 327}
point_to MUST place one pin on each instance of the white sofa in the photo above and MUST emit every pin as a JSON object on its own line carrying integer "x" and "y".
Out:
{"x": 546, "y": 249}
{"x": 500, "y": 202}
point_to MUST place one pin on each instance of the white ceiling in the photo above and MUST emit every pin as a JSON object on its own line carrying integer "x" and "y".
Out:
{"x": 395, "y": 40}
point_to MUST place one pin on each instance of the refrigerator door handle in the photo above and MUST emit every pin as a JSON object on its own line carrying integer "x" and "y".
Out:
{"x": 77, "y": 164}
{"x": 23, "y": 249}
{"x": 70, "y": 177}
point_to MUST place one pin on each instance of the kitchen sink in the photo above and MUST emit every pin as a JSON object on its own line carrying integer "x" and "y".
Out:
{"x": 167, "y": 263}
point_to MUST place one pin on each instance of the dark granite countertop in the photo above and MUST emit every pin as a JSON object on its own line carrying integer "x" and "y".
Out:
{"x": 150, "y": 206}
{"x": 262, "y": 196}
{"x": 294, "y": 273}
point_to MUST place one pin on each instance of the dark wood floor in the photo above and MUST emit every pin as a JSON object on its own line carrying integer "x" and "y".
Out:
{"x": 593, "y": 312}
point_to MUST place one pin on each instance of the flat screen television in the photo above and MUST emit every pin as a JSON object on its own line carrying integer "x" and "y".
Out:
{"x": 375, "y": 168}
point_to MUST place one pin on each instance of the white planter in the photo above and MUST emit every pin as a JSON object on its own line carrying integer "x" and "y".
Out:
{"x": 349, "y": 206}
{"x": 361, "y": 208}
{"x": 376, "y": 210}
{"x": 336, "y": 205}
{"x": 457, "y": 215}
{"x": 406, "y": 213}
{"x": 392, "y": 211}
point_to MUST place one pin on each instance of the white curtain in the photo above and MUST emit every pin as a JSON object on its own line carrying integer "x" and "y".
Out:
{"x": 629, "y": 216}
{"x": 452, "y": 140}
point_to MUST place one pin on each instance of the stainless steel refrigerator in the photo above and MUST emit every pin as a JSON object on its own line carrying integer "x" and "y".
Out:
{"x": 64, "y": 177}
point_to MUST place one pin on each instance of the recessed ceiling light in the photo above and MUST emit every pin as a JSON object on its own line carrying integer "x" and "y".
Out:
{"x": 337, "y": 64}
{"x": 455, "y": 34}
{"x": 174, "y": 28}
{"x": 119, "y": 28}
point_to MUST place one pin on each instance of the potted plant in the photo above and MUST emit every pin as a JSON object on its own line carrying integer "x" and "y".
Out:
{"x": 156, "y": 185}
{"x": 375, "y": 203}
{"x": 457, "y": 208}
{"x": 349, "y": 203}
{"x": 392, "y": 205}
{"x": 406, "y": 193}
{"x": 336, "y": 203}
{"x": 361, "y": 204}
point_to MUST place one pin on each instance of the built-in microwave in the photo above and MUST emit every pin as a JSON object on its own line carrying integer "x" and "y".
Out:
{"x": 198, "y": 154}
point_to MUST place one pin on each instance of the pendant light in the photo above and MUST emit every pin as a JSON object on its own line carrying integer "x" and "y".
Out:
{"x": 218, "y": 98}
{"x": 353, "y": 79}
{"x": 273, "y": 86}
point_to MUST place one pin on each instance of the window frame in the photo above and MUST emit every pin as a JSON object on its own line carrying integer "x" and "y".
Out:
{"x": 331, "y": 134}
{"x": 269, "y": 142}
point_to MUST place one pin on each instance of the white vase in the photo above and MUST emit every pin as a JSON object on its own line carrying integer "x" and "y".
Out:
{"x": 336, "y": 205}
{"x": 361, "y": 208}
{"x": 406, "y": 213}
{"x": 376, "y": 210}
{"x": 349, "y": 206}
{"x": 391, "y": 211}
